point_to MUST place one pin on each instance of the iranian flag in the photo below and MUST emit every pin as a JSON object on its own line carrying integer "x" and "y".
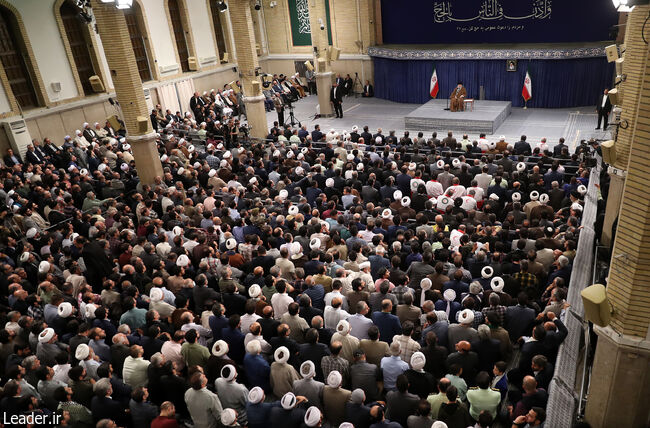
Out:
{"x": 433, "y": 88}
{"x": 527, "y": 90}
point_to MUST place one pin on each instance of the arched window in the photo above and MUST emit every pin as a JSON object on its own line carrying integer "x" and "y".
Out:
{"x": 179, "y": 34}
{"x": 219, "y": 29}
{"x": 134, "y": 22}
{"x": 80, "y": 45}
{"x": 15, "y": 61}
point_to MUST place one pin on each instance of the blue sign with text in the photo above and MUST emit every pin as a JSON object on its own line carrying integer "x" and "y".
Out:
{"x": 496, "y": 21}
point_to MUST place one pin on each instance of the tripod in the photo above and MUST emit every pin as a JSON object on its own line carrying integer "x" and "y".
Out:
{"x": 291, "y": 120}
{"x": 357, "y": 86}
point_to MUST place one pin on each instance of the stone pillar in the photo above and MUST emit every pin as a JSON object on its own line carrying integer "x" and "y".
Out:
{"x": 635, "y": 57}
{"x": 242, "y": 27}
{"x": 619, "y": 381}
{"x": 320, "y": 44}
{"x": 116, "y": 40}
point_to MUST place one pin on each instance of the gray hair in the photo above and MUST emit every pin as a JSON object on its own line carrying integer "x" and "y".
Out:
{"x": 102, "y": 386}
{"x": 483, "y": 332}
{"x": 157, "y": 359}
{"x": 28, "y": 362}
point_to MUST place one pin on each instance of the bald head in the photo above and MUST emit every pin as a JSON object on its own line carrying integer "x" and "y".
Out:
{"x": 463, "y": 346}
{"x": 529, "y": 384}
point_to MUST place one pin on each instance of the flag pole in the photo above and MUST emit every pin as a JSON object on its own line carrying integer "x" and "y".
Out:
{"x": 525, "y": 104}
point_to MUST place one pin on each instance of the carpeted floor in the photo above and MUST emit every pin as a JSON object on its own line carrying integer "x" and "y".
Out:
{"x": 574, "y": 124}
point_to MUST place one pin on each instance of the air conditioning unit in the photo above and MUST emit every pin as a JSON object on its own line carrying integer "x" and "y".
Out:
{"x": 97, "y": 84}
{"x": 147, "y": 98}
{"x": 17, "y": 134}
{"x": 192, "y": 63}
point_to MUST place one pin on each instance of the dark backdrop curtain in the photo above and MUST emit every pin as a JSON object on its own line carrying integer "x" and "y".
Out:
{"x": 556, "y": 83}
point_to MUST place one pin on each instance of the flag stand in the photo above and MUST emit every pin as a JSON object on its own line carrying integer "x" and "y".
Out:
{"x": 525, "y": 105}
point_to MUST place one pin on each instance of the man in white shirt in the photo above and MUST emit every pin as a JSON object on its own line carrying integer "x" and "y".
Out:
{"x": 336, "y": 293}
{"x": 359, "y": 323}
{"x": 333, "y": 314}
{"x": 434, "y": 188}
{"x": 469, "y": 203}
{"x": 280, "y": 300}
{"x": 543, "y": 146}
{"x": 171, "y": 350}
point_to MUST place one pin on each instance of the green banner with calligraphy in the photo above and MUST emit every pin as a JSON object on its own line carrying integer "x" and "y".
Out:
{"x": 300, "y": 26}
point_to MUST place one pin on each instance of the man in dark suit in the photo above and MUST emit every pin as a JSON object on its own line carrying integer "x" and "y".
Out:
{"x": 557, "y": 150}
{"x": 32, "y": 156}
{"x": 196, "y": 102}
{"x": 387, "y": 323}
{"x": 12, "y": 159}
{"x": 604, "y": 107}
{"x": 368, "y": 90}
{"x": 154, "y": 119}
{"x": 522, "y": 147}
{"x": 336, "y": 98}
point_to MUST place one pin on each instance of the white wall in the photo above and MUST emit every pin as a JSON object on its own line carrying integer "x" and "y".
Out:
{"x": 4, "y": 101}
{"x": 47, "y": 45}
{"x": 160, "y": 35}
{"x": 201, "y": 27}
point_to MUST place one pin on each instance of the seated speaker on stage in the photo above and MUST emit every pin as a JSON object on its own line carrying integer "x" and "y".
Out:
{"x": 457, "y": 97}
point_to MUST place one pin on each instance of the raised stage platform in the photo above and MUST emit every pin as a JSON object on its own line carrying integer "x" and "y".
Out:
{"x": 486, "y": 117}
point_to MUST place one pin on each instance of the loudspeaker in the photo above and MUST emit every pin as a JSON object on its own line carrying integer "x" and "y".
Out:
{"x": 143, "y": 124}
{"x": 609, "y": 151}
{"x": 614, "y": 97}
{"x": 234, "y": 87}
{"x": 619, "y": 66}
{"x": 115, "y": 124}
{"x": 334, "y": 53}
{"x": 192, "y": 63}
{"x": 96, "y": 84}
{"x": 256, "y": 86}
{"x": 597, "y": 308}
{"x": 612, "y": 53}
{"x": 309, "y": 66}
{"x": 224, "y": 58}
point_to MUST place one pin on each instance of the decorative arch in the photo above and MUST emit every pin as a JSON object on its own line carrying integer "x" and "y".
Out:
{"x": 24, "y": 45}
{"x": 181, "y": 25}
{"x": 83, "y": 58}
{"x": 140, "y": 19}
{"x": 220, "y": 31}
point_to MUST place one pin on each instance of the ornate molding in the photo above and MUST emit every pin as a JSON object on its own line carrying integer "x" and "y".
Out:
{"x": 469, "y": 54}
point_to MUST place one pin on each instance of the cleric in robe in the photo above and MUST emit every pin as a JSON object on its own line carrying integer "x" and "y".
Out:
{"x": 457, "y": 97}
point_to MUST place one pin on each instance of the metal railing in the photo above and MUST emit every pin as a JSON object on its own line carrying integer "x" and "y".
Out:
{"x": 564, "y": 402}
